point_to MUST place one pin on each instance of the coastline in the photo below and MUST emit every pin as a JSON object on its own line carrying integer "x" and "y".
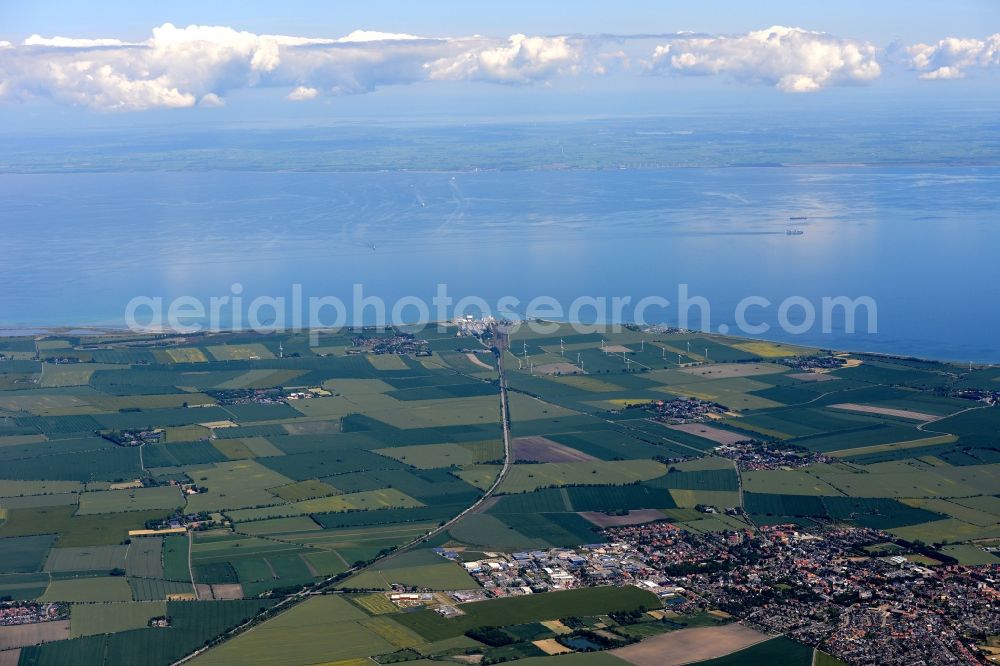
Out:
{"x": 103, "y": 330}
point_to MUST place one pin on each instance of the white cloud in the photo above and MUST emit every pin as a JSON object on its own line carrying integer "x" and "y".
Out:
{"x": 522, "y": 59}
{"x": 211, "y": 100}
{"x": 375, "y": 36}
{"x": 944, "y": 73}
{"x": 70, "y": 42}
{"x": 950, "y": 58}
{"x": 179, "y": 67}
{"x": 302, "y": 93}
{"x": 791, "y": 59}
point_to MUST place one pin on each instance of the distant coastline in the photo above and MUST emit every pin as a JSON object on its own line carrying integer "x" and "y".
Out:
{"x": 82, "y": 331}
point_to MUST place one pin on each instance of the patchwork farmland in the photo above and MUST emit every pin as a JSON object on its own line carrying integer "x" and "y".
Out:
{"x": 160, "y": 493}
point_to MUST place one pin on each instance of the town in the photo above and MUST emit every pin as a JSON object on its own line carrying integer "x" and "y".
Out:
{"x": 536, "y": 571}
{"x": 822, "y": 588}
{"x": 400, "y": 344}
{"x": 753, "y": 455}
{"x": 990, "y": 398}
{"x": 683, "y": 410}
{"x": 483, "y": 328}
{"x": 31, "y": 612}
{"x": 830, "y": 587}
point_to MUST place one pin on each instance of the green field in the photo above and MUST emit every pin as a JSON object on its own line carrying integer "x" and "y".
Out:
{"x": 175, "y": 558}
{"x": 90, "y": 558}
{"x": 789, "y": 482}
{"x": 215, "y": 548}
{"x": 154, "y": 589}
{"x": 137, "y": 499}
{"x": 234, "y": 485}
{"x": 526, "y": 478}
{"x": 108, "y": 618}
{"x": 823, "y": 659}
{"x": 94, "y": 530}
{"x": 779, "y": 650}
{"x": 685, "y": 498}
{"x": 304, "y": 490}
{"x": 144, "y": 557}
{"x": 35, "y": 501}
{"x": 970, "y": 554}
{"x": 428, "y": 456}
{"x": 361, "y": 501}
{"x": 489, "y": 531}
{"x": 586, "y": 498}
{"x": 11, "y": 488}
{"x": 950, "y": 530}
{"x": 420, "y": 568}
{"x": 321, "y": 630}
{"x": 278, "y": 526}
{"x": 532, "y": 608}
{"x": 325, "y": 562}
{"x": 351, "y": 544}
{"x": 23, "y": 586}
{"x": 901, "y": 479}
{"x": 24, "y": 554}
{"x": 106, "y": 588}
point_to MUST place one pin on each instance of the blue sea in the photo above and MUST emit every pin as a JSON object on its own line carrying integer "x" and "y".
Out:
{"x": 921, "y": 242}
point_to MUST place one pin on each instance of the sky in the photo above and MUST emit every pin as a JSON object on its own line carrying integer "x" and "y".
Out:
{"x": 63, "y": 63}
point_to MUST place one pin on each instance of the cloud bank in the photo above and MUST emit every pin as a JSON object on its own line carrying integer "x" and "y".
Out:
{"x": 182, "y": 67}
{"x": 950, "y": 58}
{"x": 198, "y": 65}
{"x": 791, "y": 59}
